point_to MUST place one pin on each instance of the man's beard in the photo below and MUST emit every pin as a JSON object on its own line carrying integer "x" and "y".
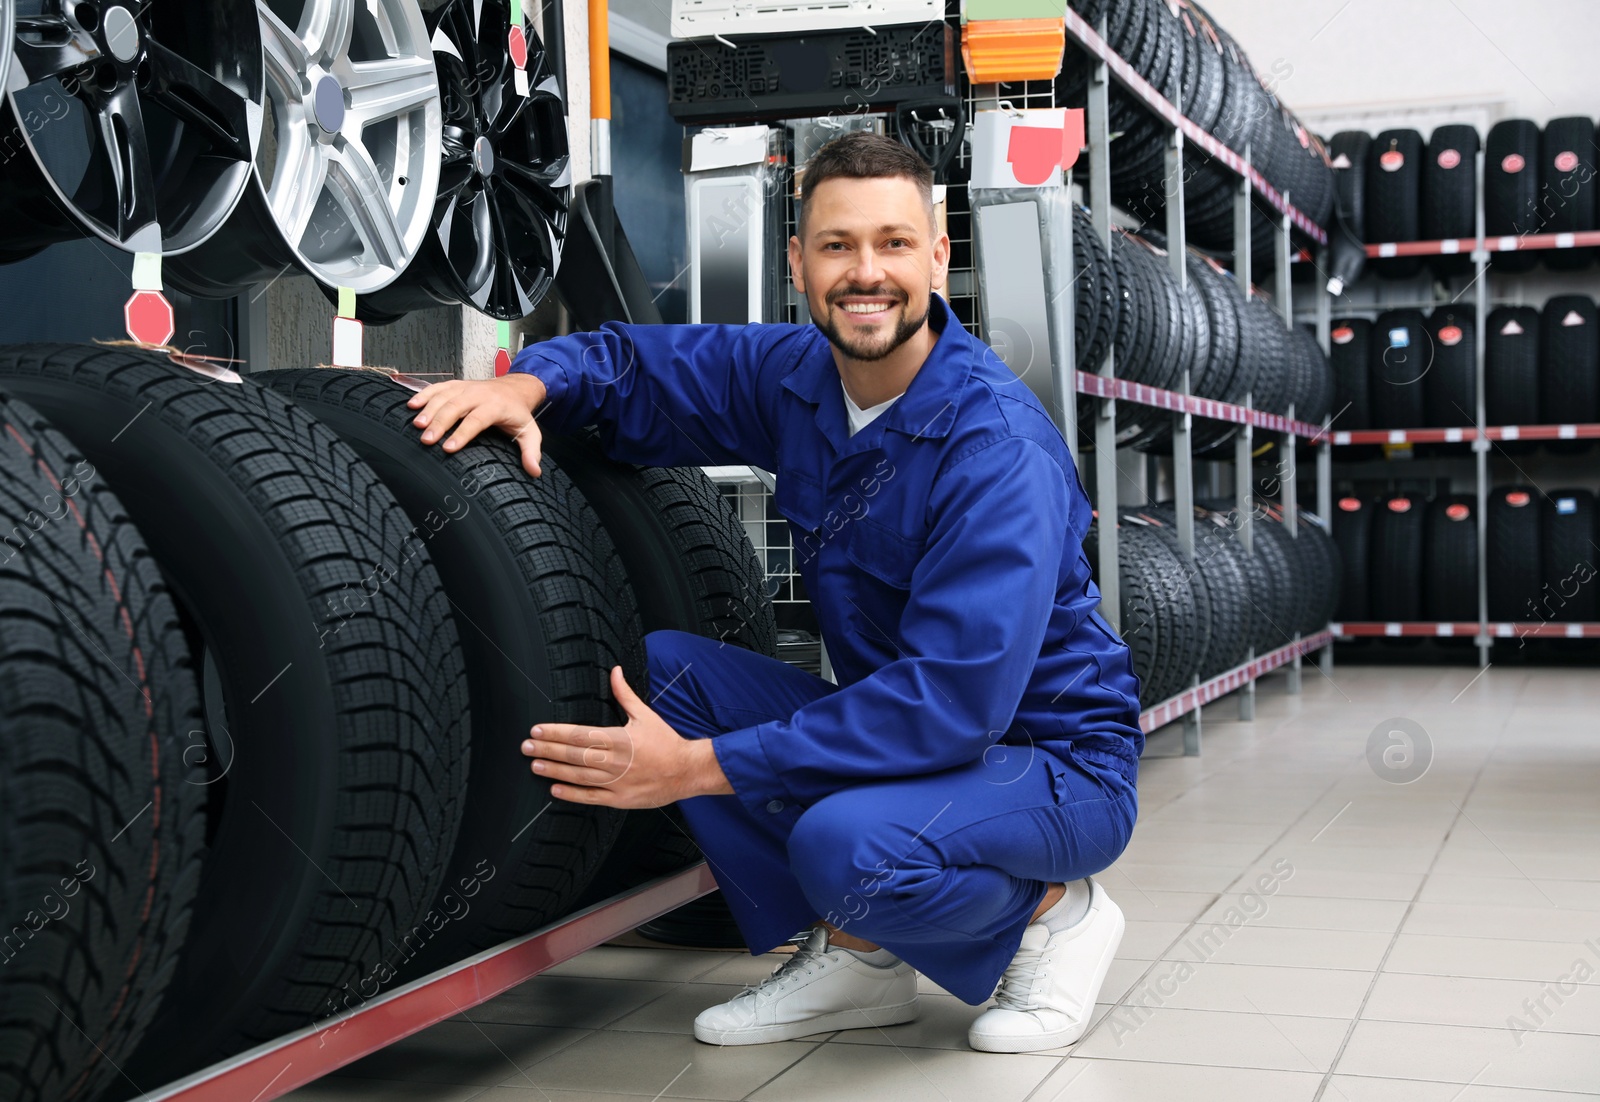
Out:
{"x": 867, "y": 349}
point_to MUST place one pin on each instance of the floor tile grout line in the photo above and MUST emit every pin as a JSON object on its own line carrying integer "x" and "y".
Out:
{"x": 1394, "y": 939}
{"x": 815, "y": 1048}
{"x": 1194, "y": 922}
{"x": 1033, "y": 1095}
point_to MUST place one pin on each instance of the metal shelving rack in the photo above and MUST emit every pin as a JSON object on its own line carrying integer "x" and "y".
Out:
{"x": 279, "y": 1066}
{"x": 1107, "y": 390}
{"x": 1480, "y": 436}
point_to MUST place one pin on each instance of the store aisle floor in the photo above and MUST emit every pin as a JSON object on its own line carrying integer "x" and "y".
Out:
{"x": 1301, "y": 927}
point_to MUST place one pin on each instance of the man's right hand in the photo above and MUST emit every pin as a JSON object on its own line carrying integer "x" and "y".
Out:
{"x": 506, "y": 403}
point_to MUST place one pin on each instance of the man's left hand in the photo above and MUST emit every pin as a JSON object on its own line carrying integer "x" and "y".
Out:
{"x": 642, "y": 764}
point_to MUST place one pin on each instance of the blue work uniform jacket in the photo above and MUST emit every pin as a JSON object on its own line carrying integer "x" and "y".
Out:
{"x": 941, "y": 546}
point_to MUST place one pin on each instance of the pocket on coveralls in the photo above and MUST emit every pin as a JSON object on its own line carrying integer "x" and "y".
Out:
{"x": 883, "y": 552}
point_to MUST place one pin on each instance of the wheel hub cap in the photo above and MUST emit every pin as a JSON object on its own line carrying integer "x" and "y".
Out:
{"x": 122, "y": 34}
{"x": 483, "y": 156}
{"x": 327, "y": 104}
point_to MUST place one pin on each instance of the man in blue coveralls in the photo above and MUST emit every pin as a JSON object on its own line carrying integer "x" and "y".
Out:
{"x": 941, "y": 808}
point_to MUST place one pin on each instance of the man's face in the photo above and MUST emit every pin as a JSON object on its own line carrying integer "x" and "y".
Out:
{"x": 869, "y": 263}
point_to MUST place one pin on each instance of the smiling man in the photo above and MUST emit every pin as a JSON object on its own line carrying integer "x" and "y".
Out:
{"x": 941, "y": 808}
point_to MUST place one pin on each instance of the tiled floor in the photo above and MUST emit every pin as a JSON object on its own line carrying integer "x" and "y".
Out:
{"x": 1437, "y": 941}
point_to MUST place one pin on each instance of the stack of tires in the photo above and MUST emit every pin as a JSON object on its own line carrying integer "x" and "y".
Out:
{"x": 1396, "y": 187}
{"x": 1229, "y": 346}
{"x": 268, "y": 666}
{"x": 1407, "y": 558}
{"x": 1542, "y": 366}
{"x": 1194, "y": 63}
{"x": 1405, "y": 370}
{"x": 1197, "y": 619}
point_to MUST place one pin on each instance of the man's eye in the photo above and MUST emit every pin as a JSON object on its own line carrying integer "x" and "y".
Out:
{"x": 897, "y": 243}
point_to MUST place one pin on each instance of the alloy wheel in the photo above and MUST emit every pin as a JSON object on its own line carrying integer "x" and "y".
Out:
{"x": 139, "y": 122}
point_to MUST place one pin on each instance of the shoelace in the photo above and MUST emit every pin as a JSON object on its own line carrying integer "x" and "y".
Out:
{"x": 1019, "y": 985}
{"x": 798, "y": 965}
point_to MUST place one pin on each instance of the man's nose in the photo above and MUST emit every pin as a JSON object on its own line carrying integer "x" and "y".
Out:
{"x": 867, "y": 272}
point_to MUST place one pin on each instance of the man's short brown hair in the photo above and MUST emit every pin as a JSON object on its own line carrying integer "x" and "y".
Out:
{"x": 864, "y": 156}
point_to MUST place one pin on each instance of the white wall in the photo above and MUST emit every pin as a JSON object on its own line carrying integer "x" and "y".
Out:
{"x": 1524, "y": 59}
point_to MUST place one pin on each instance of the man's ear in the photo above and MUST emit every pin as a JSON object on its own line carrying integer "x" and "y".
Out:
{"x": 941, "y": 263}
{"x": 798, "y": 275}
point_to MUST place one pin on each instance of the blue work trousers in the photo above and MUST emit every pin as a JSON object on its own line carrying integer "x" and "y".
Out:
{"x": 944, "y": 869}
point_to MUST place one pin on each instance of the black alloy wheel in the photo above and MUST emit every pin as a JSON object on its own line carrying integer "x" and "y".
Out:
{"x": 504, "y": 182}
{"x": 134, "y": 123}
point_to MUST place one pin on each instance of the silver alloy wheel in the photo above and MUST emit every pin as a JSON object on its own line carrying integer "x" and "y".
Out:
{"x": 8, "y": 30}
{"x": 350, "y": 163}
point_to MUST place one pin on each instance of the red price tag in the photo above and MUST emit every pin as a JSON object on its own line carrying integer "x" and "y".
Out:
{"x": 149, "y": 317}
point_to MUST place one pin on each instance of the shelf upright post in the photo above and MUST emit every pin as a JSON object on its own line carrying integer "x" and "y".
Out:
{"x": 1183, "y": 421}
{"x": 1480, "y": 443}
{"x": 1105, "y": 423}
{"x": 1288, "y": 471}
{"x": 1325, "y": 445}
{"x": 1064, "y": 372}
{"x": 1244, "y": 442}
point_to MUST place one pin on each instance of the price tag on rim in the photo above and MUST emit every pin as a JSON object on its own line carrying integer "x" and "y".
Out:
{"x": 347, "y": 331}
{"x": 502, "y": 356}
{"x": 147, "y": 315}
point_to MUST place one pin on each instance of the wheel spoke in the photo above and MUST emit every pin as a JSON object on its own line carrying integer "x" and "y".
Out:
{"x": 382, "y": 89}
{"x": 484, "y": 258}
{"x": 127, "y": 150}
{"x": 536, "y": 186}
{"x": 325, "y": 27}
{"x": 287, "y": 56}
{"x": 47, "y": 47}
{"x": 504, "y": 287}
{"x": 453, "y": 176}
{"x": 531, "y": 223}
{"x": 199, "y": 98}
{"x": 459, "y": 27}
{"x": 365, "y": 197}
{"x": 295, "y": 199}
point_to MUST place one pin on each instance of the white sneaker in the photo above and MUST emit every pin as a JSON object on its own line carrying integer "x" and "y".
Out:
{"x": 816, "y": 990}
{"x": 1047, "y": 995}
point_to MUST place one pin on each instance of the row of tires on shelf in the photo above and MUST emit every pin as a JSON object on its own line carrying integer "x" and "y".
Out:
{"x": 1186, "y": 56}
{"x": 1404, "y": 370}
{"x": 1398, "y": 187}
{"x": 265, "y": 666}
{"x": 416, "y": 159}
{"x": 1230, "y": 345}
{"x": 1187, "y": 619}
{"x": 1407, "y": 558}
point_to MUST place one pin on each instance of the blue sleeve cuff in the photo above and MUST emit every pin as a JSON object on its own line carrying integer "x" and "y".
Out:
{"x": 755, "y": 780}
{"x": 552, "y": 373}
